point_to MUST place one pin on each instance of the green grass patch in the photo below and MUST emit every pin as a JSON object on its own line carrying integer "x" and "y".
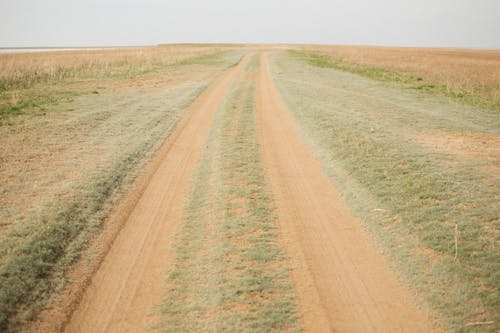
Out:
{"x": 230, "y": 273}
{"x": 480, "y": 96}
{"x": 37, "y": 103}
{"x": 35, "y": 269}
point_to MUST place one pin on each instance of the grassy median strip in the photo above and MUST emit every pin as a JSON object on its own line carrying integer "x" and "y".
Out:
{"x": 230, "y": 274}
{"x": 435, "y": 212}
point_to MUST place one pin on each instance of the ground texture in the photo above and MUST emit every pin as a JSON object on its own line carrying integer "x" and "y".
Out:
{"x": 255, "y": 191}
{"x": 343, "y": 282}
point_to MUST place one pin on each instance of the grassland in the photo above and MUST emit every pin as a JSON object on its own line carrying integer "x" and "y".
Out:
{"x": 465, "y": 76}
{"x": 23, "y": 70}
{"x": 63, "y": 168}
{"x": 411, "y": 137}
{"x": 420, "y": 172}
{"x": 30, "y": 83}
{"x": 230, "y": 273}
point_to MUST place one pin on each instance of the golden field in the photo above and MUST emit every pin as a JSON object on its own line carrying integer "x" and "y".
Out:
{"x": 476, "y": 72}
{"x": 20, "y": 70}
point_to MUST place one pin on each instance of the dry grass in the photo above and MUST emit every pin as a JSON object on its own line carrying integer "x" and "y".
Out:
{"x": 63, "y": 168}
{"x": 23, "y": 70}
{"x": 474, "y": 71}
{"x": 31, "y": 82}
{"x": 419, "y": 172}
{"x": 230, "y": 273}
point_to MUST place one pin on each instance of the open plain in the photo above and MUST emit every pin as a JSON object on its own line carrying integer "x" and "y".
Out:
{"x": 249, "y": 188}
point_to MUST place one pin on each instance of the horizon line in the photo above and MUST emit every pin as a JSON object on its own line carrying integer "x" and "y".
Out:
{"x": 43, "y": 47}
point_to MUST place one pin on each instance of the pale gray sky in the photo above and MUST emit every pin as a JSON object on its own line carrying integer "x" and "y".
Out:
{"x": 445, "y": 23}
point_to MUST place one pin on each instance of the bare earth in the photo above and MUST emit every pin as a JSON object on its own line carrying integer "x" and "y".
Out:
{"x": 130, "y": 281}
{"x": 344, "y": 284}
{"x": 347, "y": 280}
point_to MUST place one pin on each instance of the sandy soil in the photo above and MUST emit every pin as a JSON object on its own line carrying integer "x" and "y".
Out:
{"x": 130, "y": 281}
{"x": 345, "y": 284}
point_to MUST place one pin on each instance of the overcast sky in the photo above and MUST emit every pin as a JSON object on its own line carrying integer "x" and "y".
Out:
{"x": 443, "y": 23}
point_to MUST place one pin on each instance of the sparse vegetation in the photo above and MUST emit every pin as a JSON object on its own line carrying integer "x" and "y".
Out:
{"x": 20, "y": 71}
{"x": 31, "y": 83}
{"x": 34, "y": 270}
{"x": 230, "y": 273}
{"x": 435, "y": 207}
{"x": 412, "y": 143}
{"x": 63, "y": 170}
{"x": 470, "y": 77}
{"x": 35, "y": 102}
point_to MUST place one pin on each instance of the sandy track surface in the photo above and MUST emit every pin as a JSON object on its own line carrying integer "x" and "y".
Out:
{"x": 130, "y": 281}
{"x": 343, "y": 282}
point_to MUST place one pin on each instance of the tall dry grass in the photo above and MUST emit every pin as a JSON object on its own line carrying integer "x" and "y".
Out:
{"x": 476, "y": 72}
{"x": 23, "y": 70}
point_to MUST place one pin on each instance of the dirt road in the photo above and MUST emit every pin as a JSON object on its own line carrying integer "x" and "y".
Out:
{"x": 342, "y": 276}
{"x": 130, "y": 281}
{"x": 344, "y": 284}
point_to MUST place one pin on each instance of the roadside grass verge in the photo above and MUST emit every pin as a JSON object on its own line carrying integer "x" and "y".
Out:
{"x": 435, "y": 214}
{"x": 34, "y": 93}
{"x": 36, "y": 269}
{"x": 477, "y": 95}
{"x": 38, "y": 251}
{"x": 230, "y": 273}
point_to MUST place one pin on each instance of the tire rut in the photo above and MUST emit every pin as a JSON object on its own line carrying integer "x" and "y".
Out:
{"x": 344, "y": 282}
{"x": 130, "y": 281}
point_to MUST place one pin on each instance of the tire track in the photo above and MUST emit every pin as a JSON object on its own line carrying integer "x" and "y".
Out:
{"x": 130, "y": 280}
{"x": 345, "y": 284}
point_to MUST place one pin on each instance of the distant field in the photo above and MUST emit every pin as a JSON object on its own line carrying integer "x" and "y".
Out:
{"x": 467, "y": 75}
{"x": 24, "y": 70}
{"x": 49, "y": 49}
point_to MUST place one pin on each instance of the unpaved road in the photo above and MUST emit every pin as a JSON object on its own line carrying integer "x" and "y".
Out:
{"x": 344, "y": 284}
{"x": 130, "y": 281}
{"x": 342, "y": 276}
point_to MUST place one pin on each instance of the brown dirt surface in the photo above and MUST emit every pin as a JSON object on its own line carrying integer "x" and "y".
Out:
{"x": 469, "y": 145}
{"x": 344, "y": 283}
{"x": 129, "y": 282}
{"x": 483, "y": 149}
